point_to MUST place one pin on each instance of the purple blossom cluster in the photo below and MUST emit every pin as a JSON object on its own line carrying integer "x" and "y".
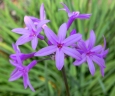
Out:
{"x": 60, "y": 46}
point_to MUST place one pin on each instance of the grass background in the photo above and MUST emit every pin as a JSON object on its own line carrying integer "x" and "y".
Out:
{"x": 45, "y": 78}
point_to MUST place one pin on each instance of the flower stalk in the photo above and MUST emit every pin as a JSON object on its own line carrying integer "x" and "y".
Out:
{"x": 65, "y": 81}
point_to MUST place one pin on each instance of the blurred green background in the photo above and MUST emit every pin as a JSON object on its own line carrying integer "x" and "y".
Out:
{"x": 45, "y": 78}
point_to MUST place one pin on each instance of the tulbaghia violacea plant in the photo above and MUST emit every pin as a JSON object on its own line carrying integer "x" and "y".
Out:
{"x": 59, "y": 46}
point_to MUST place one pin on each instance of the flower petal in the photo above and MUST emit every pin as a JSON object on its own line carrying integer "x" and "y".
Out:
{"x": 29, "y": 23}
{"x": 92, "y": 39}
{"x": 15, "y": 76}
{"x": 15, "y": 64}
{"x": 71, "y": 52}
{"x": 50, "y": 35}
{"x": 82, "y": 46}
{"x": 20, "y": 31}
{"x": 42, "y": 12}
{"x": 46, "y": 51}
{"x": 79, "y": 62}
{"x": 23, "y": 39}
{"x": 32, "y": 64}
{"x": 41, "y": 37}
{"x": 103, "y": 54}
{"x": 16, "y": 48}
{"x": 59, "y": 59}
{"x": 70, "y": 21}
{"x": 91, "y": 66}
{"x": 99, "y": 61}
{"x": 66, "y": 8}
{"x": 29, "y": 84}
{"x": 83, "y": 16}
{"x": 14, "y": 71}
{"x": 41, "y": 23}
{"x": 72, "y": 39}
{"x": 49, "y": 43}
{"x": 25, "y": 80}
{"x": 97, "y": 49}
{"x": 73, "y": 32}
{"x": 34, "y": 42}
{"x": 62, "y": 32}
{"x": 34, "y": 19}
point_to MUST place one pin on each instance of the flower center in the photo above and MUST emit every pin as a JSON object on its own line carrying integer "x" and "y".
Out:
{"x": 59, "y": 46}
{"x": 24, "y": 70}
{"x": 33, "y": 33}
{"x": 75, "y": 13}
{"x": 89, "y": 53}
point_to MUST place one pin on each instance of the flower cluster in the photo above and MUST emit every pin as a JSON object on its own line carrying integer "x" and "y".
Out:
{"x": 60, "y": 46}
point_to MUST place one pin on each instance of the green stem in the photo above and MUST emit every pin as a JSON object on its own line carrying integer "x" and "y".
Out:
{"x": 65, "y": 81}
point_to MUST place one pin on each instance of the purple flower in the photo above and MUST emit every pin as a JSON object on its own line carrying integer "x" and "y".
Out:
{"x": 21, "y": 55}
{"x": 22, "y": 71}
{"x": 30, "y": 33}
{"x": 74, "y": 15}
{"x": 91, "y": 54}
{"x": 60, "y": 45}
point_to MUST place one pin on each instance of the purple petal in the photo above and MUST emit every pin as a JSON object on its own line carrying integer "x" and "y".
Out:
{"x": 82, "y": 46}
{"x": 50, "y": 35}
{"x": 32, "y": 64}
{"x": 23, "y": 39}
{"x": 34, "y": 42}
{"x": 62, "y": 32}
{"x": 103, "y": 54}
{"x": 14, "y": 71}
{"x": 83, "y": 16}
{"x": 42, "y": 12}
{"x": 29, "y": 23}
{"x": 41, "y": 23}
{"x": 15, "y": 64}
{"x": 92, "y": 39}
{"x": 70, "y": 21}
{"x": 99, "y": 61}
{"x": 79, "y": 62}
{"x": 25, "y": 80}
{"x": 97, "y": 49}
{"x": 91, "y": 66}
{"x": 46, "y": 51}
{"x": 19, "y": 59}
{"x": 28, "y": 82}
{"x": 66, "y": 8}
{"x": 59, "y": 59}
{"x": 73, "y": 32}
{"x": 27, "y": 56}
{"x": 20, "y": 31}
{"x": 16, "y": 48}
{"x": 15, "y": 76}
{"x": 34, "y": 19}
{"x": 49, "y": 43}
{"x": 71, "y": 52}
{"x": 40, "y": 36}
{"x": 72, "y": 39}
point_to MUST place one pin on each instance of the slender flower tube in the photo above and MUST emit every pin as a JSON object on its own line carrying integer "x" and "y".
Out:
{"x": 60, "y": 45}
{"x": 23, "y": 56}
